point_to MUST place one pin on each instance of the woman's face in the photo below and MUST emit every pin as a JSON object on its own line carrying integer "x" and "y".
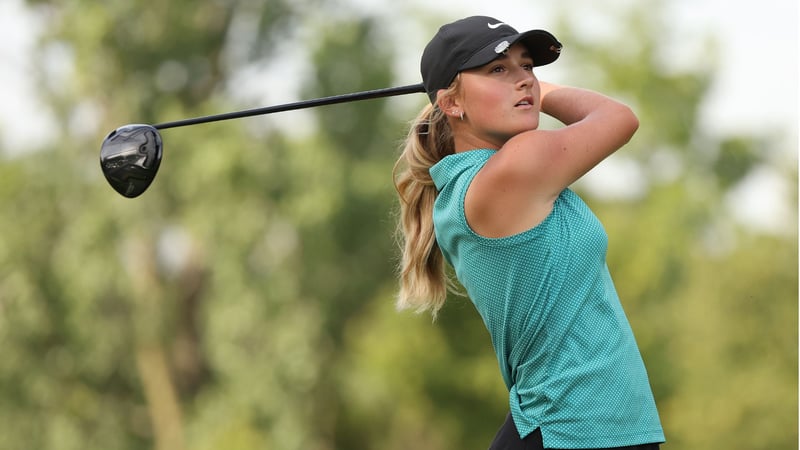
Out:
{"x": 499, "y": 100}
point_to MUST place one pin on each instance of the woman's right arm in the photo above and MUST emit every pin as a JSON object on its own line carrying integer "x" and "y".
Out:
{"x": 516, "y": 188}
{"x": 547, "y": 161}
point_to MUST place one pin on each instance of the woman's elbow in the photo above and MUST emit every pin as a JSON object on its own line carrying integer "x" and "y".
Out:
{"x": 629, "y": 122}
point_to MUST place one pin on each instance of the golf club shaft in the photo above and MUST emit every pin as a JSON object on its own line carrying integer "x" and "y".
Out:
{"x": 364, "y": 95}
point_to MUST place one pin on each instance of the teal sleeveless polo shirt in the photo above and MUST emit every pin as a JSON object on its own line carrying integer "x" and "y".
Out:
{"x": 564, "y": 345}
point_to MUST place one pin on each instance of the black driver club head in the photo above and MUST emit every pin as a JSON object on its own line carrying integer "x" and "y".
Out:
{"x": 129, "y": 158}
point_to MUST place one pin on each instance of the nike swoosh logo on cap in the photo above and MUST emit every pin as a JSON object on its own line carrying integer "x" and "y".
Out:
{"x": 495, "y": 26}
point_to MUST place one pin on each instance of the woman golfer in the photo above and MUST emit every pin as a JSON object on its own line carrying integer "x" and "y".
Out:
{"x": 484, "y": 190}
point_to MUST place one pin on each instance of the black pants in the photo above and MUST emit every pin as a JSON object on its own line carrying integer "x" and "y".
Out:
{"x": 508, "y": 439}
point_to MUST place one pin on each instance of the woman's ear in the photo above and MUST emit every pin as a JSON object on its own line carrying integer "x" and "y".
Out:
{"x": 448, "y": 103}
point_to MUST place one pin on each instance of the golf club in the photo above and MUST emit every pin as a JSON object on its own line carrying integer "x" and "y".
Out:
{"x": 131, "y": 155}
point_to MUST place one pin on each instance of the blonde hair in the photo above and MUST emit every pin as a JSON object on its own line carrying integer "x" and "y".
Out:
{"x": 424, "y": 283}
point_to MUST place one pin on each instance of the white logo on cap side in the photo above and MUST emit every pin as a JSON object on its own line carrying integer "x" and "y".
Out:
{"x": 495, "y": 25}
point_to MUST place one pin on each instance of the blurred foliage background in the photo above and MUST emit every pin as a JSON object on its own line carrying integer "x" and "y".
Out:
{"x": 246, "y": 300}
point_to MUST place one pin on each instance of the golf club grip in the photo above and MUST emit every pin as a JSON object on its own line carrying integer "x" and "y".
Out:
{"x": 343, "y": 98}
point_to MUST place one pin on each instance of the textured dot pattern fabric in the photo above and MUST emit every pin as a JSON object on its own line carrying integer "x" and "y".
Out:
{"x": 565, "y": 348}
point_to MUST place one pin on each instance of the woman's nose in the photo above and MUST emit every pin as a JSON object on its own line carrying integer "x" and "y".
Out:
{"x": 526, "y": 78}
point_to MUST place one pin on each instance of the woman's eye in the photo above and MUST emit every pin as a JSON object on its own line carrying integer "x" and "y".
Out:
{"x": 497, "y": 69}
{"x": 528, "y": 67}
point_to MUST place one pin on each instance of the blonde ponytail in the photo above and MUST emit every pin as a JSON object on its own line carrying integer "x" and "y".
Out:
{"x": 423, "y": 282}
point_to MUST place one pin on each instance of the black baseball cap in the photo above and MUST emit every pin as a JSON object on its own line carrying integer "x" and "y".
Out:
{"x": 473, "y": 42}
